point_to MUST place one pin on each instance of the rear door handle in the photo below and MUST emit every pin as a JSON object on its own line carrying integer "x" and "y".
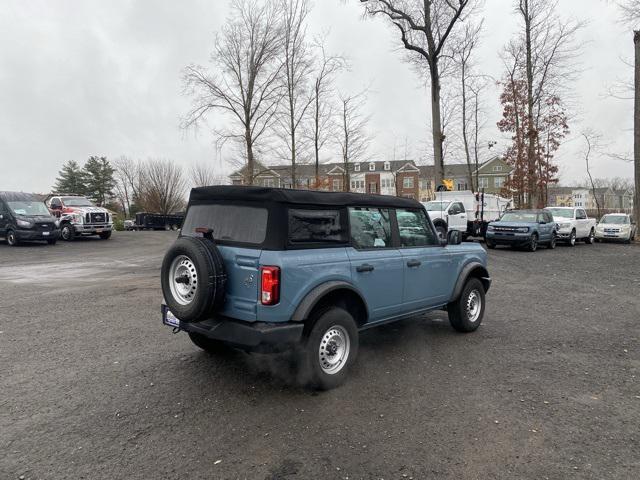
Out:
{"x": 364, "y": 268}
{"x": 414, "y": 263}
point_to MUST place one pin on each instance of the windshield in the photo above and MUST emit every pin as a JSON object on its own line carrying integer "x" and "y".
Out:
{"x": 519, "y": 217}
{"x": 29, "y": 208}
{"x": 76, "y": 202}
{"x": 434, "y": 206}
{"x": 615, "y": 219}
{"x": 561, "y": 212}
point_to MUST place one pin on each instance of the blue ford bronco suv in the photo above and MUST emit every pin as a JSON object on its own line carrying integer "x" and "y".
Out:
{"x": 523, "y": 228}
{"x": 269, "y": 269}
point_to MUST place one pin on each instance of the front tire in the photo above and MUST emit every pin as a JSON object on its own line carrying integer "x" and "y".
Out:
{"x": 105, "y": 235}
{"x": 52, "y": 241}
{"x": 552, "y": 242}
{"x": 490, "y": 245}
{"x": 329, "y": 349}
{"x": 572, "y": 239}
{"x": 533, "y": 243}
{"x": 67, "y": 233}
{"x": 466, "y": 313}
{"x": 12, "y": 239}
{"x": 441, "y": 230}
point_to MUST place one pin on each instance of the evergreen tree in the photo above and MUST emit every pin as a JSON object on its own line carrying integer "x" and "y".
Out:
{"x": 71, "y": 179}
{"x": 100, "y": 180}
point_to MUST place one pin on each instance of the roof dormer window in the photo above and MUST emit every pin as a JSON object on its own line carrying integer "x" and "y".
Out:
{"x": 356, "y": 167}
{"x": 372, "y": 167}
{"x": 387, "y": 166}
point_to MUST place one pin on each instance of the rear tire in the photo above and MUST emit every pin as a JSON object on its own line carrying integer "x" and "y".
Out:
{"x": 590, "y": 239}
{"x": 330, "y": 348}
{"x": 12, "y": 239}
{"x": 466, "y": 313}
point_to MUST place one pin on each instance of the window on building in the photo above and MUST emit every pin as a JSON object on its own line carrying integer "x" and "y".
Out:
{"x": 386, "y": 183}
{"x": 461, "y": 185}
{"x": 387, "y": 166}
{"x": 370, "y": 227}
{"x": 498, "y": 182}
{"x": 372, "y": 167}
{"x": 356, "y": 167}
{"x": 483, "y": 182}
{"x": 337, "y": 184}
{"x": 373, "y": 187}
{"x": 497, "y": 168}
{"x": 407, "y": 182}
{"x": 267, "y": 182}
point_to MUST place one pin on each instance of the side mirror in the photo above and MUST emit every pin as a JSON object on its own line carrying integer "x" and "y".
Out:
{"x": 454, "y": 237}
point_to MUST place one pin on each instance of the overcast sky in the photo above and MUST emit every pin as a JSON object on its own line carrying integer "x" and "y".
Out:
{"x": 80, "y": 78}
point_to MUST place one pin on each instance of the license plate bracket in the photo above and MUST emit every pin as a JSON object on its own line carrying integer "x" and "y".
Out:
{"x": 168, "y": 318}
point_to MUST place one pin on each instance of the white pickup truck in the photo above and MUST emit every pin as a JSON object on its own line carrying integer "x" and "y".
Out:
{"x": 573, "y": 224}
{"x": 468, "y": 212}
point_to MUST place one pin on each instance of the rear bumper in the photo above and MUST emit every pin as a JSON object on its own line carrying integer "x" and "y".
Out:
{"x": 33, "y": 235}
{"x": 256, "y": 336}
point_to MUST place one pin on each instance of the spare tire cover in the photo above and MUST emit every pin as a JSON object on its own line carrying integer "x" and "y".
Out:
{"x": 193, "y": 278}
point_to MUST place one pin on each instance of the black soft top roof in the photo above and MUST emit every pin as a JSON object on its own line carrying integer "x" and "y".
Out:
{"x": 19, "y": 197}
{"x": 232, "y": 193}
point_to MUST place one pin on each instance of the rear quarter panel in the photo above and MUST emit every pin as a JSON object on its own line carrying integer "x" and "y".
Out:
{"x": 300, "y": 272}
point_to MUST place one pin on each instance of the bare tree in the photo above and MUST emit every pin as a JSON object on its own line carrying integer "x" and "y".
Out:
{"x": 469, "y": 93}
{"x": 352, "y": 138}
{"x": 202, "y": 175}
{"x": 546, "y": 44}
{"x": 322, "y": 106}
{"x": 425, "y": 26}
{"x": 630, "y": 11}
{"x": 590, "y": 138}
{"x": 162, "y": 186}
{"x": 245, "y": 85}
{"x": 298, "y": 66}
{"x": 127, "y": 176}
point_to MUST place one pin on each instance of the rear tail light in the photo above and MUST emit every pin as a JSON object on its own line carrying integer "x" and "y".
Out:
{"x": 269, "y": 285}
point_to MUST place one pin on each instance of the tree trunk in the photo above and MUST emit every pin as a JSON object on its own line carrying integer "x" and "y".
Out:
{"x": 436, "y": 125}
{"x": 636, "y": 129}
{"x": 316, "y": 140}
{"x": 531, "y": 133}
{"x": 465, "y": 137}
{"x": 248, "y": 176}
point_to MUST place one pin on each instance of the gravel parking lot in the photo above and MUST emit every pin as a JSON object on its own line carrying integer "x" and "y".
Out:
{"x": 94, "y": 386}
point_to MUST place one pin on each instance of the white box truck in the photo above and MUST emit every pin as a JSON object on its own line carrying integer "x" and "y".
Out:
{"x": 465, "y": 211}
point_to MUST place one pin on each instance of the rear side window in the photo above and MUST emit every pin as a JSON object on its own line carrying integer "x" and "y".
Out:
{"x": 230, "y": 223}
{"x": 316, "y": 226}
{"x": 370, "y": 227}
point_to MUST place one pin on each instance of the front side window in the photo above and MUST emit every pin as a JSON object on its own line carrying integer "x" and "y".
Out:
{"x": 581, "y": 215}
{"x": 415, "y": 230}
{"x": 231, "y": 223}
{"x": 370, "y": 227}
{"x": 316, "y": 226}
{"x": 456, "y": 208}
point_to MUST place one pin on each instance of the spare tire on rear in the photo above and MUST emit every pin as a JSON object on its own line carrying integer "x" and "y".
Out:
{"x": 193, "y": 278}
